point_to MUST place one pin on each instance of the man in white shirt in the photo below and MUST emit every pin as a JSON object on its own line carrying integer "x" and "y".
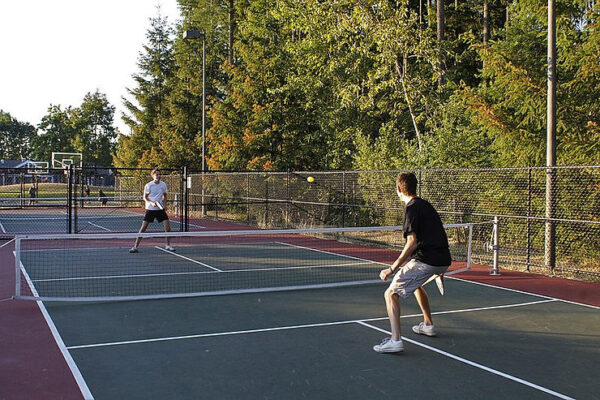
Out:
{"x": 155, "y": 196}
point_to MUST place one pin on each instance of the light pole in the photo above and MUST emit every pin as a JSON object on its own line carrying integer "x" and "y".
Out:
{"x": 190, "y": 35}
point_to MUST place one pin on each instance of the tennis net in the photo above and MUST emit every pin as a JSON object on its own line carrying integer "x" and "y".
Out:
{"x": 99, "y": 267}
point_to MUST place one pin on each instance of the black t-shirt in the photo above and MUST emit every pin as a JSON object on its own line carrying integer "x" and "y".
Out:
{"x": 421, "y": 219}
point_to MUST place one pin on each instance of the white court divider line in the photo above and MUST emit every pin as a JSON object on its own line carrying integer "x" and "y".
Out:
{"x": 473, "y": 364}
{"x": 335, "y": 254}
{"x": 99, "y": 226}
{"x": 228, "y": 271}
{"x": 83, "y": 387}
{"x": 530, "y": 303}
{"x": 189, "y": 259}
{"x": 524, "y": 292}
{"x": 7, "y": 243}
{"x": 279, "y": 328}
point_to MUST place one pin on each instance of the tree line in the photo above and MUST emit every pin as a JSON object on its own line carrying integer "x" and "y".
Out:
{"x": 87, "y": 129}
{"x": 346, "y": 84}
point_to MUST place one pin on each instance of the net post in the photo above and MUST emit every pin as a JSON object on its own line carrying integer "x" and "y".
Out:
{"x": 470, "y": 247}
{"x": 496, "y": 248}
{"x": 17, "y": 267}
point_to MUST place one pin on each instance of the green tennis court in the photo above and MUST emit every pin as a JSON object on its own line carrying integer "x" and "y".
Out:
{"x": 493, "y": 343}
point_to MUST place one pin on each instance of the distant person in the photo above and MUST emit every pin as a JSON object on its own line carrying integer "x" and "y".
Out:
{"x": 102, "y": 197}
{"x": 32, "y": 195}
{"x": 155, "y": 197}
{"x": 426, "y": 254}
{"x": 87, "y": 191}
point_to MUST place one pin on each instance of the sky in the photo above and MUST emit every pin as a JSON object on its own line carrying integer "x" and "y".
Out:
{"x": 56, "y": 51}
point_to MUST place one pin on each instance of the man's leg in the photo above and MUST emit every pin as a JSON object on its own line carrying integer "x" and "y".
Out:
{"x": 423, "y": 300}
{"x": 167, "y": 226}
{"x": 392, "y": 303}
{"x": 393, "y": 344}
{"x": 142, "y": 230}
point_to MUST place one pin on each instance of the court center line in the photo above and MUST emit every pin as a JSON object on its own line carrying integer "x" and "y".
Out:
{"x": 473, "y": 363}
{"x": 280, "y": 328}
{"x": 530, "y": 303}
{"x": 335, "y": 254}
{"x": 189, "y": 259}
{"x": 99, "y": 226}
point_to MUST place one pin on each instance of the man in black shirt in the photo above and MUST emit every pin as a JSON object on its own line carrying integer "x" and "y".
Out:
{"x": 425, "y": 254}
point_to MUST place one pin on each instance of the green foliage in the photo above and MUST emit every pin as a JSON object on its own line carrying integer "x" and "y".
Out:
{"x": 344, "y": 84}
{"x": 87, "y": 129}
{"x": 148, "y": 109}
{"x": 510, "y": 104}
{"x": 15, "y": 137}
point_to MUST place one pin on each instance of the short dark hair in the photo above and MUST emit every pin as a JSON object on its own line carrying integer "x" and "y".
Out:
{"x": 407, "y": 183}
{"x": 155, "y": 170}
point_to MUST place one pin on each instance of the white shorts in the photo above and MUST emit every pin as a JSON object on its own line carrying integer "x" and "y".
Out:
{"x": 412, "y": 276}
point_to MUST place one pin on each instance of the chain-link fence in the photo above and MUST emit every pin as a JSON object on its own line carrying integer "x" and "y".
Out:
{"x": 81, "y": 200}
{"x": 33, "y": 200}
{"x": 560, "y": 234}
{"x": 517, "y": 196}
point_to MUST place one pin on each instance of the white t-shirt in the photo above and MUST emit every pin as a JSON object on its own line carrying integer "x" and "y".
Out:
{"x": 155, "y": 193}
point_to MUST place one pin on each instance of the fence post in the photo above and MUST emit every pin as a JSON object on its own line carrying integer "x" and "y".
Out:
{"x": 496, "y": 248}
{"x": 17, "y": 267}
{"x": 183, "y": 200}
{"x": 216, "y": 196}
{"x": 550, "y": 239}
{"x": 69, "y": 172}
{"x": 529, "y": 219}
{"x": 266, "y": 200}
{"x": 248, "y": 197}
{"x": 344, "y": 200}
{"x": 288, "y": 200}
{"x": 21, "y": 190}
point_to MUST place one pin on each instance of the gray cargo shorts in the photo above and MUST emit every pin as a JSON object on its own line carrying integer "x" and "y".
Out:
{"x": 412, "y": 276}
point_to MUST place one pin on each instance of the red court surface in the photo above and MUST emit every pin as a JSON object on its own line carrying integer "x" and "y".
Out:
{"x": 33, "y": 366}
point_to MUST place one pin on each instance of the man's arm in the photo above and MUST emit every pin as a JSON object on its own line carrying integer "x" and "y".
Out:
{"x": 407, "y": 252}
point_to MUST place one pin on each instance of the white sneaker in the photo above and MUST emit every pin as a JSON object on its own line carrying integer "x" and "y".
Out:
{"x": 389, "y": 346}
{"x": 422, "y": 329}
{"x": 169, "y": 248}
{"x": 133, "y": 250}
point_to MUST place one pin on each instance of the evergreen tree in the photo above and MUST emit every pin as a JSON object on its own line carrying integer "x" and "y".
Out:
{"x": 148, "y": 108}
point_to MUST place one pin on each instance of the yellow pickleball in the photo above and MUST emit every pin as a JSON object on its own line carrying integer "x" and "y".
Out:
{"x": 310, "y": 179}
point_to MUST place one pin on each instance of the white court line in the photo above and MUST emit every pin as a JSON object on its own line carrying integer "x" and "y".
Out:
{"x": 524, "y": 292}
{"x": 474, "y": 364}
{"x": 279, "y": 328}
{"x": 7, "y": 243}
{"x": 218, "y": 271}
{"x": 335, "y": 254}
{"x": 83, "y": 387}
{"x": 2, "y": 227}
{"x": 99, "y": 226}
{"x": 189, "y": 259}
